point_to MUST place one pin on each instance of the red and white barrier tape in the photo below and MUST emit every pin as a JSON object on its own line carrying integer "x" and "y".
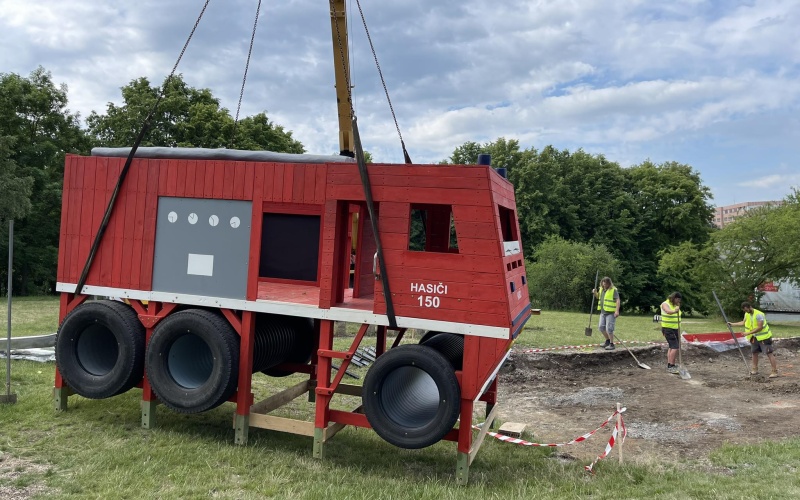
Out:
{"x": 530, "y": 351}
{"x": 609, "y": 446}
{"x": 611, "y": 442}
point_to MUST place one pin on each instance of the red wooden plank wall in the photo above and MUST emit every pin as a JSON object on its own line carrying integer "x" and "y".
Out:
{"x": 125, "y": 256}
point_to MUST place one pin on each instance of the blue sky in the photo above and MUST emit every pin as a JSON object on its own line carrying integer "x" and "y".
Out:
{"x": 709, "y": 83}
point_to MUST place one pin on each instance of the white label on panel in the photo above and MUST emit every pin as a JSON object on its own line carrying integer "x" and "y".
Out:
{"x": 511, "y": 247}
{"x": 200, "y": 265}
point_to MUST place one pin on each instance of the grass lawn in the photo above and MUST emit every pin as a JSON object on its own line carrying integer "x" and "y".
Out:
{"x": 97, "y": 449}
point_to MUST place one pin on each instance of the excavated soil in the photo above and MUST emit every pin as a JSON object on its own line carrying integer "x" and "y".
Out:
{"x": 561, "y": 395}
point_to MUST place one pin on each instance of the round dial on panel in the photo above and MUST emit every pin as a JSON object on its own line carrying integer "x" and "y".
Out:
{"x": 192, "y": 218}
{"x": 172, "y": 216}
{"x": 213, "y": 220}
{"x": 235, "y": 222}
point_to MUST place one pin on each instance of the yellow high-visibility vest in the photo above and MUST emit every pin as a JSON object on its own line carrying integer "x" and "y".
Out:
{"x": 750, "y": 324}
{"x": 607, "y": 302}
{"x": 670, "y": 320}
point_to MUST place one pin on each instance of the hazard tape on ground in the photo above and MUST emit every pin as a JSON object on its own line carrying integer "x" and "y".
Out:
{"x": 522, "y": 442}
{"x": 530, "y": 351}
{"x": 618, "y": 427}
{"x": 584, "y": 437}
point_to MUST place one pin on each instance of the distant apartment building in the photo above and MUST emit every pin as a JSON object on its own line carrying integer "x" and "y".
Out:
{"x": 727, "y": 214}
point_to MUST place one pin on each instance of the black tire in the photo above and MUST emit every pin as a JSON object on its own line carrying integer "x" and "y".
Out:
{"x": 100, "y": 349}
{"x": 411, "y": 396}
{"x": 192, "y": 361}
{"x": 449, "y": 345}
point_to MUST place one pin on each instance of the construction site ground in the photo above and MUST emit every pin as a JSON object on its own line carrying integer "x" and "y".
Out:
{"x": 563, "y": 394}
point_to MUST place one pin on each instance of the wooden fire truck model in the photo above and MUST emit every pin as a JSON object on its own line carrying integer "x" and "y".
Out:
{"x": 235, "y": 264}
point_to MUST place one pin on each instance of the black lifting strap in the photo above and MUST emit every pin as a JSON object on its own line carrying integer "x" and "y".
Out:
{"x": 362, "y": 169}
{"x": 124, "y": 173}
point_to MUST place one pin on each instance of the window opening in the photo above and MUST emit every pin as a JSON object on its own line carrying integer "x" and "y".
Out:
{"x": 432, "y": 228}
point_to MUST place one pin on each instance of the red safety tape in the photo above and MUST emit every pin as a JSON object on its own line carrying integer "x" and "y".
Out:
{"x": 609, "y": 446}
{"x": 529, "y": 351}
{"x": 522, "y": 442}
{"x": 611, "y": 442}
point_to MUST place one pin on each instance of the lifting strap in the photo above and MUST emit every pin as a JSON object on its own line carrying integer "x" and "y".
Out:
{"x": 362, "y": 169}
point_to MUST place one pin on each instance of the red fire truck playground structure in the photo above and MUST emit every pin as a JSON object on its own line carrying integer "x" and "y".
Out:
{"x": 233, "y": 264}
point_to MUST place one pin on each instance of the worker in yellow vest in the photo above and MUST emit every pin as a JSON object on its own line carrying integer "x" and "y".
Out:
{"x": 757, "y": 331}
{"x": 608, "y": 304}
{"x": 670, "y": 328}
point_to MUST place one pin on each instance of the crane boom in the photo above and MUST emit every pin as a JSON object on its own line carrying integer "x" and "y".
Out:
{"x": 341, "y": 68}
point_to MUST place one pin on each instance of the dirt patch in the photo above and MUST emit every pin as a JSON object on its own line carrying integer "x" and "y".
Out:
{"x": 561, "y": 395}
{"x": 14, "y": 478}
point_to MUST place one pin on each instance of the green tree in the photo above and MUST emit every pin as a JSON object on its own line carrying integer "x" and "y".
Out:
{"x": 758, "y": 247}
{"x": 37, "y": 131}
{"x": 561, "y": 273}
{"x": 185, "y": 117}
{"x": 15, "y": 191}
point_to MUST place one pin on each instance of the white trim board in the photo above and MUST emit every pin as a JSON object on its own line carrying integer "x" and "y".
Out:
{"x": 292, "y": 309}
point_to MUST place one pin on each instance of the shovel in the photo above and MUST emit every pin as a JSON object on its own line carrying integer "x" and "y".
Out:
{"x": 588, "y": 331}
{"x": 641, "y": 365}
{"x": 730, "y": 329}
{"x": 682, "y": 371}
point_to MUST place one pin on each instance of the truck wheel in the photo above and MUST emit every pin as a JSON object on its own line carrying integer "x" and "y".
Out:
{"x": 411, "y": 396}
{"x": 100, "y": 349}
{"x": 192, "y": 361}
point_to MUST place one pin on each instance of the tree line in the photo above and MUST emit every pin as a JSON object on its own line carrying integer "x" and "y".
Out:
{"x": 647, "y": 226}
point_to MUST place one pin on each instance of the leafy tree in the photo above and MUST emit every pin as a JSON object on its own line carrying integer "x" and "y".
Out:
{"x": 185, "y": 117}
{"x": 561, "y": 273}
{"x": 15, "y": 201}
{"x": 37, "y": 130}
{"x": 758, "y": 247}
{"x": 505, "y": 154}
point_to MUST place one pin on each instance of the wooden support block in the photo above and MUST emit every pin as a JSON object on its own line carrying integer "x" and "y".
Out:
{"x": 241, "y": 424}
{"x": 60, "y": 395}
{"x": 512, "y": 429}
{"x": 282, "y": 424}
{"x": 149, "y": 414}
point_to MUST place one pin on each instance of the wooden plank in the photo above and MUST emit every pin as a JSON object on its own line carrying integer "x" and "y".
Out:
{"x": 150, "y": 221}
{"x": 333, "y": 429}
{"x": 281, "y": 424}
{"x": 199, "y": 178}
{"x": 288, "y": 182}
{"x": 476, "y": 445}
{"x": 250, "y": 187}
{"x": 131, "y": 183}
{"x": 298, "y": 185}
{"x": 208, "y": 181}
{"x": 268, "y": 170}
{"x": 256, "y": 222}
{"x": 237, "y": 183}
{"x": 172, "y": 177}
{"x": 180, "y": 184}
{"x": 414, "y": 181}
{"x": 277, "y": 183}
{"x": 139, "y": 231}
{"x": 277, "y": 400}
{"x": 310, "y": 183}
{"x": 62, "y": 236}
{"x": 229, "y": 179}
{"x": 163, "y": 188}
{"x": 118, "y": 216}
{"x": 320, "y": 185}
{"x": 219, "y": 180}
{"x": 191, "y": 178}
{"x": 349, "y": 389}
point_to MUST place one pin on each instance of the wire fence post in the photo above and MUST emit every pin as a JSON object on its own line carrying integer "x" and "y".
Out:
{"x": 8, "y": 397}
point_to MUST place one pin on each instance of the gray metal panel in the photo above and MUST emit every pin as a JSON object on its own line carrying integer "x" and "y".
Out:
{"x": 200, "y": 249}
{"x": 221, "y": 154}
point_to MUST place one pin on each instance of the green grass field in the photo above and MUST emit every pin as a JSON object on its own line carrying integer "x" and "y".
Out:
{"x": 97, "y": 449}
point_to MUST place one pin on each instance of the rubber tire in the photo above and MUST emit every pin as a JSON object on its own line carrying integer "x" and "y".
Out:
{"x": 90, "y": 373}
{"x": 441, "y": 372}
{"x": 222, "y": 342}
